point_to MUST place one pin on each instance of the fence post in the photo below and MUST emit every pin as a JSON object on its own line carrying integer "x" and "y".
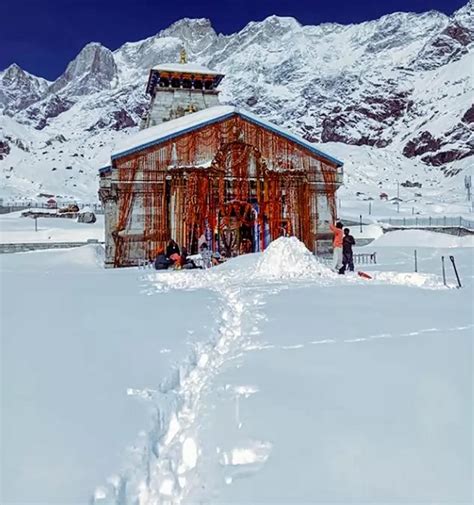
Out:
{"x": 360, "y": 222}
{"x": 443, "y": 269}
{"x": 456, "y": 271}
{"x": 429, "y": 221}
{"x": 416, "y": 262}
{"x": 404, "y": 221}
{"x": 460, "y": 221}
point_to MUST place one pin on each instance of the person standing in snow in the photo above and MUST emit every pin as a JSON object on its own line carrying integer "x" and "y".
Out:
{"x": 347, "y": 255}
{"x": 337, "y": 247}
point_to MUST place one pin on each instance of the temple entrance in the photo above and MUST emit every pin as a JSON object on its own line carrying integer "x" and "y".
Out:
{"x": 237, "y": 223}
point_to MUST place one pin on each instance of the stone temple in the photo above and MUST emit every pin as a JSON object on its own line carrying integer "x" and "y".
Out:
{"x": 199, "y": 167}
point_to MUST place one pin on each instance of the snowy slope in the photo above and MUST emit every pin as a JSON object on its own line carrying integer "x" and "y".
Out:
{"x": 401, "y": 85}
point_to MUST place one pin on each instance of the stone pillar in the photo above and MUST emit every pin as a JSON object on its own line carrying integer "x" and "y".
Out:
{"x": 108, "y": 198}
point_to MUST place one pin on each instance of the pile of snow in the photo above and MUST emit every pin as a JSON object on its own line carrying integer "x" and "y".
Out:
{"x": 420, "y": 238}
{"x": 288, "y": 258}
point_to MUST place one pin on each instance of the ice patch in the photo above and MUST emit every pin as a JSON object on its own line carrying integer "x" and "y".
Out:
{"x": 173, "y": 429}
{"x": 100, "y": 493}
{"x": 190, "y": 453}
{"x": 256, "y": 453}
{"x": 167, "y": 487}
{"x": 144, "y": 394}
{"x": 246, "y": 391}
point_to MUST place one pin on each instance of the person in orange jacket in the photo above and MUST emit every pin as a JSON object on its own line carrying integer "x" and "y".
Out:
{"x": 337, "y": 246}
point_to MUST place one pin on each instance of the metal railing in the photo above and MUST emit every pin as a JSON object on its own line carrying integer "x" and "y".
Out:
{"x": 14, "y": 207}
{"x": 365, "y": 258}
{"x": 445, "y": 221}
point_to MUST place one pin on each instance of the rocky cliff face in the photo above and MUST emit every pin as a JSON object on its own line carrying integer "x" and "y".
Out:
{"x": 402, "y": 83}
{"x": 18, "y": 89}
{"x": 94, "y": 69}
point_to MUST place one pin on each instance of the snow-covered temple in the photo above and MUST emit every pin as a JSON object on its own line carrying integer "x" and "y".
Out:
{"x": 198, "y": 167}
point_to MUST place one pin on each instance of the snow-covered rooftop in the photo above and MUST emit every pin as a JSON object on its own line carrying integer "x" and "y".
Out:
{"x": 176, "y": 127}
{"x": 188, "y": 68}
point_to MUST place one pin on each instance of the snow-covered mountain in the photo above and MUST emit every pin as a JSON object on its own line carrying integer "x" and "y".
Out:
{"x": 397, "y": 89}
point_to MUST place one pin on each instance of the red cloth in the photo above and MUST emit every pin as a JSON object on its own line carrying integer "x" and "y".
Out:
{"x": 338, "y": 236}
{"x": 175, "y": 257}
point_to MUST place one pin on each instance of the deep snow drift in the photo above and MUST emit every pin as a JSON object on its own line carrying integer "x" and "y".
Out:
{"x": 254, "y": 382}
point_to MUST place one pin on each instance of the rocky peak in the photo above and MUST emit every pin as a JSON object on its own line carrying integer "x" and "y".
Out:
{"x": 465, "y": 16}
{"x": 12, "y": 73}
{"x": 18, "y": 89}
{"x": 197, "y": 35}
{"x": 395, "y": 31}
{"x": 93, "y": 69}
{"x": 270, "y": 29}
{"x": 447, "y": 46}
{"x": 402, "y": 84}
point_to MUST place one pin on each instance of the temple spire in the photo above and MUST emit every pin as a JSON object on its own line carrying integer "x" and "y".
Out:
{"x": 183, "y": 57}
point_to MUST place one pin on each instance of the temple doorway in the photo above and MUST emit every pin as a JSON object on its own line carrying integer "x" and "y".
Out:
{"x": 237, "y": 224}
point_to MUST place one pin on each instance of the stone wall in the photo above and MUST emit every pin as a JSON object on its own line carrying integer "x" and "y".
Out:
{"x": 170, "y": 103}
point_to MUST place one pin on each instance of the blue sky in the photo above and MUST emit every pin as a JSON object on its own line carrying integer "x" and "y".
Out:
{"x": 42, "y": 36}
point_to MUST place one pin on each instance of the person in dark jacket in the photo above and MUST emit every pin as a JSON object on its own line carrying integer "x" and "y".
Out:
{"x": 161, "y": 261}
{"x": 347, "y": 255}
{"x": 186, "y": 263}
{"x": 172, "y": 248}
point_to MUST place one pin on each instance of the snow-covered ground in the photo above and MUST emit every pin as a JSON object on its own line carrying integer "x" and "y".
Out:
{"x": 75, "y": 337}
{"x": 266, "y": 380}
{"x": 17, "y": 229}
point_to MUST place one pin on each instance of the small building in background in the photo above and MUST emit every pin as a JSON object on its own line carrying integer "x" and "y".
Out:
{"x": 52, "y": 203}
{"x": 199, "y": 168}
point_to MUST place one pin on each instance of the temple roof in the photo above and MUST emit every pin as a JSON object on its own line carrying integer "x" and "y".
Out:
{"x": 185, "y": 68}
{"x": 172, "y": 129}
